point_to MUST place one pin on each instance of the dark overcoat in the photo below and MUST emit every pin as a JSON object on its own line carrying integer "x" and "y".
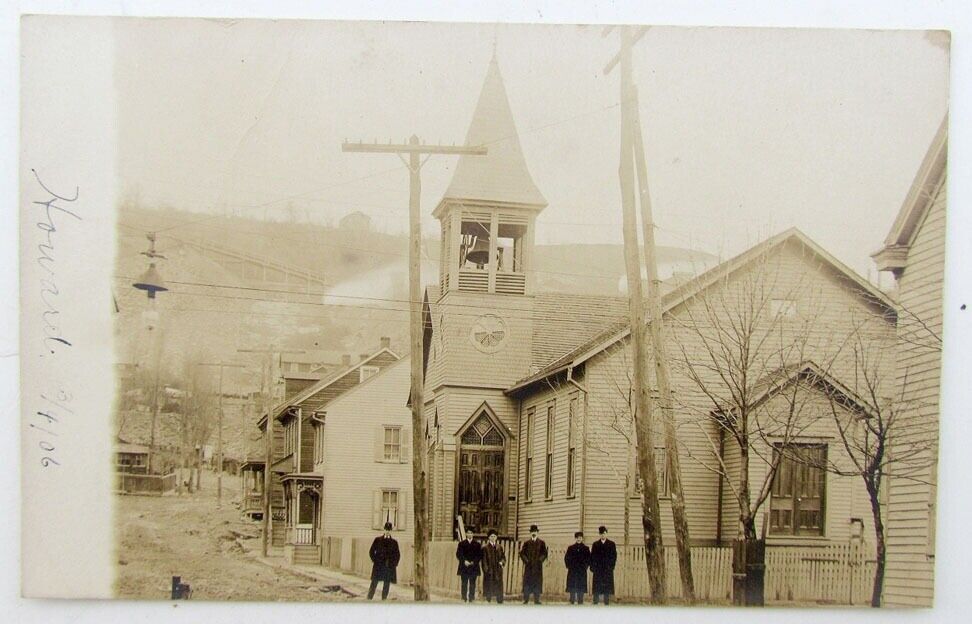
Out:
{"x": 533, "y": 553}
{"x": 577, "y": 559}
{"x": 494, "y": 559}
{"x": 603, "y": 558}
{"x": 384, "y": 558}
{"x": 472, "y": 552}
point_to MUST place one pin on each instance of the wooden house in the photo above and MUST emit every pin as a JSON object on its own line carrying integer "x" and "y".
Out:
{"x": 369, "y": 428}
{"x": 295, "y": 491}
{"x": 914, "y": 252}
{"x": 131, "y": 458}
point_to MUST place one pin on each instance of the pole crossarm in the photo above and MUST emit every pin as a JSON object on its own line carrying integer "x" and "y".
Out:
{"x": 639, "y": 33}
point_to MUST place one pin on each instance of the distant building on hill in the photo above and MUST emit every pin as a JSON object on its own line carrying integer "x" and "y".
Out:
{"x": 356, "y": 221}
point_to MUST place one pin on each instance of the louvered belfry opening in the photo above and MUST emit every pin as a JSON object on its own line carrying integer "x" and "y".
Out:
{"x": 481, "y": 468}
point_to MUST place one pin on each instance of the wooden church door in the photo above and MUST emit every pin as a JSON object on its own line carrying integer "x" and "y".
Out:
{"x": 481, "y": 469}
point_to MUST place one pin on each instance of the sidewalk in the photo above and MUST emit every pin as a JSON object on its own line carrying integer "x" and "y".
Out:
{"x": 351, "y": 584}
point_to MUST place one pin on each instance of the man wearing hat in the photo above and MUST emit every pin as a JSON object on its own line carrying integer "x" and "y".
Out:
{"x": 604, "y": 555}
{"x": 470, "y": 554}
{"x": 384, "y": 558}
{"x": 533, "y": 553}
{"x": 494, "y": 560}
{"x": 577, "y": 559}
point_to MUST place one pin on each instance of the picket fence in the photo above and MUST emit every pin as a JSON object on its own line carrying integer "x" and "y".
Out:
{"x": 833, "y": 574}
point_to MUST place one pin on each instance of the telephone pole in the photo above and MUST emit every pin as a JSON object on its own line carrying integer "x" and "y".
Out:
{"x": 219, "y": 428}
{"x": 643, "y": 417}
{"x": 272, "y": 353}
{"x": 414, "y": 149}
{"x": 631, "y": 125}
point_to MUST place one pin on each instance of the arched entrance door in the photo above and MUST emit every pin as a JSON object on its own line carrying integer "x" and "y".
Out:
{"x": 481, "y": 469}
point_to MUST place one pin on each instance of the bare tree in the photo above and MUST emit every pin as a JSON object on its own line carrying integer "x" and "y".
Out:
{"x": 744, "y": 345}
{"x": 198, "y": 414}
{"x": 865, "y": 434}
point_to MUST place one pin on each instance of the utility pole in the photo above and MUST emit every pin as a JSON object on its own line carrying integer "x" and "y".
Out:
{"x": 155, "y": 401}
{"x": 656, "y": 327}
{"x": 272, "y": 353}
{"x": 419, "y": 500}
{"x": 219, "y": 427}
{"x": 643, "y": 417}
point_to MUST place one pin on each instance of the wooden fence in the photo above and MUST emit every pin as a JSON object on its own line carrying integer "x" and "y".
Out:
{"x": 835, "y": 574}
{"x": 129, "y": 483}
{"x": 838, "y": 574}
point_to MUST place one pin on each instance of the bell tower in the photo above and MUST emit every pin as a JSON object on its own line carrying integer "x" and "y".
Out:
{"x": 488, "y": 213}
{"x": 479, "y": 323}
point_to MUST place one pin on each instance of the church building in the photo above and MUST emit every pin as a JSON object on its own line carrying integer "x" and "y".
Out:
{"x": 527, "y": 401}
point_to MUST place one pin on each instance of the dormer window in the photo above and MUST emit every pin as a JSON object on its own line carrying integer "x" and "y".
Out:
{"x": 367, "y": 372}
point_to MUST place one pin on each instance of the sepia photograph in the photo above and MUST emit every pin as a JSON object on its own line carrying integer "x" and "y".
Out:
{"x": 497, "y": 313}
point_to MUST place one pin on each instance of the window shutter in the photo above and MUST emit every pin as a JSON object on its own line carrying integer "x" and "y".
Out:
{"x": 376, "y": 522}
{"x": 405, "y": 510}
{"x": 406, "y": 438}
{"x": 379, "y": 443}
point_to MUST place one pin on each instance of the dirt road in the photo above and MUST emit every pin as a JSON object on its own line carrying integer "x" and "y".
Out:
{"x": 187, "y": 536}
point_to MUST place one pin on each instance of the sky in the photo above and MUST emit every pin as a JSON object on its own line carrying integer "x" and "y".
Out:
{"x": 747, "y": 131}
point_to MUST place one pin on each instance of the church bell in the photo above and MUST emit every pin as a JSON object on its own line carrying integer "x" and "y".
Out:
{"x": 479, "y": 254}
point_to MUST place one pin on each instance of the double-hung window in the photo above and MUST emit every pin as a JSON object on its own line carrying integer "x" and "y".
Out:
{"x": 392, "y": 444}
{"x": 548, "y": 476}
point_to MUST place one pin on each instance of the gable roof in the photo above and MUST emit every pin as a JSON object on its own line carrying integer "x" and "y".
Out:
{"x": 916, "y": 204}
{"x": 322, "y": 384}
{"x": 501, "y": 175}
{"x": 692, "y": 287}
{"x": 382, "y": 374}
{"x": 774, "y": 383}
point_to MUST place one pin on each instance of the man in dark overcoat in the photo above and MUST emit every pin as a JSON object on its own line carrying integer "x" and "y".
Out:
{"x": 578, "y": 560}
{"x": 470, "y": 554}
{"x": 533, "y": 553}
{"x": 604, "y": 555}
{"x": 384, "y": 555}
{"x": 494, "y": 561}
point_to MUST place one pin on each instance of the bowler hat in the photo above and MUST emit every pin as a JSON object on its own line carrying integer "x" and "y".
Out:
{"x": 602, "y": 529}
{"x": 534, "y": 528}
{"x": 578, "y": 534}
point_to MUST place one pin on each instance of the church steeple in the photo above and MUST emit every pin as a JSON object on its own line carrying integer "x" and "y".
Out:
{"x": 488, "y": 211}
{"x": 501, "y": 175}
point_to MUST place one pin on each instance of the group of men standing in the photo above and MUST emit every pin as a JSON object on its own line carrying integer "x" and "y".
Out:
{"x": 600, "y": 558}
{"x": 489, "y": 561}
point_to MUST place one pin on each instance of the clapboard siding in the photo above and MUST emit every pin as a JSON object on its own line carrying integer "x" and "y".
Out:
{"x": 909, "y": 577}
{"x": 351, "y": 470}
{"x": 559, "y": 515}
{"x": 828, "y": 308}
{"x": 846, "y": 496}
{"x": 462, "y": 364}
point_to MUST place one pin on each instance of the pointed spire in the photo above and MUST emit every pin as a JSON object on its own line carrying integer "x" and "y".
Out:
{"x": 501, "y": 175}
